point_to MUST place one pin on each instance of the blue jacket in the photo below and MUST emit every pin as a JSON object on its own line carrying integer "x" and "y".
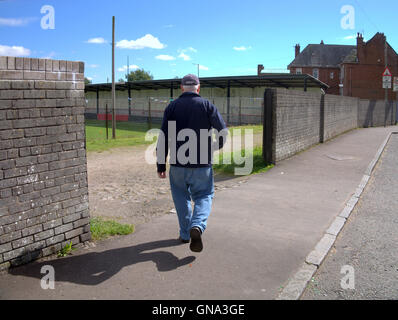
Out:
{"x": 189, "y": 111}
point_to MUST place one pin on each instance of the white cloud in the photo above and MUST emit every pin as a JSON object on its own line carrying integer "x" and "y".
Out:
{"x": 350, "y": 37}
{"x": 183, "y": 53}
{"x": 89, "y": 78}
{"x": 132, "y": 68}
{"x": 165, "y": 57}
{"x": 96, "y": 40}
{"x": 16, "y": 22}
{"x": 203, "y": 68}
{"x": 93, "y": 66}
{"x": 147, "y": 41}
{"x": 184, "y": 56}
{"x": 14, "y": 51}
{"x": 242, "y": 48}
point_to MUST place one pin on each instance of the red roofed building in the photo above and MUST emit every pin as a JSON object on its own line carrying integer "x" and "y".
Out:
{"x": 354, "y": 71}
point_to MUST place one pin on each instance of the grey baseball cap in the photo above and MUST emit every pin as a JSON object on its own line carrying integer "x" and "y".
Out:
{"x": 190, "y": 80}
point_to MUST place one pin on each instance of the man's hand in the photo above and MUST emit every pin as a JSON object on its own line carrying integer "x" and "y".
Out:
{"x": 162, "y": 175}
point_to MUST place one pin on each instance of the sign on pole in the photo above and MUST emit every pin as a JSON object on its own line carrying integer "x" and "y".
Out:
{"x": 395, "y": 84}
{"x": 387, "y": 79}
{"x": 387, "y": 73}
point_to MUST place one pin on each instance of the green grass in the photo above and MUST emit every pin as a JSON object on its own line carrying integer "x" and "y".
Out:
{"x": 127, "y": 134}
{"x": 130, "y": 134}
{"x": 101, "y": 228}
{"x": 258, "y": 163}
{"x": 257, "y": 129}
{"x": 66, "y": 250}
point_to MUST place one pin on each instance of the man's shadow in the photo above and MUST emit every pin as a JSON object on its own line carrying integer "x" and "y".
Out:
{"x": 96, "y": 267}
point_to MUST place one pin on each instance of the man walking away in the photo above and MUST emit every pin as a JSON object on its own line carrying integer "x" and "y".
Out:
{"x": 191, "y": 171}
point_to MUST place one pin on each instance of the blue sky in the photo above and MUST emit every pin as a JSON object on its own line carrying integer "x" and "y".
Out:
{"x": 167, "y": 38}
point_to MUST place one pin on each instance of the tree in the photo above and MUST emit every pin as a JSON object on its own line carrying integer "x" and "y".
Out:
{"x": 87, "y": 81}
{"x": 139, "y": 75}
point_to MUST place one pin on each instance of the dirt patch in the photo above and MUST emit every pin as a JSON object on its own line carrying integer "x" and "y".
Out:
{"x": 122, "y": 186}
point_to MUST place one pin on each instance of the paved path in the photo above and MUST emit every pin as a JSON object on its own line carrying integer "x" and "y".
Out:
{"x": 259, "y": 235}
{"x": 368, "y": 242}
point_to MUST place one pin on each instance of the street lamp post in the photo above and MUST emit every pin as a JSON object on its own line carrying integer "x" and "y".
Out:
{"x": 197, "y": 64}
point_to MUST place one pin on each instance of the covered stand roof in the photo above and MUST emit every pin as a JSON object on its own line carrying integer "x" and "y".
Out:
{"x": 283, "y": 80}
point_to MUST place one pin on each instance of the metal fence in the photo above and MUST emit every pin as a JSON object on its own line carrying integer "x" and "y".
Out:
{"x": 235, "y": 110}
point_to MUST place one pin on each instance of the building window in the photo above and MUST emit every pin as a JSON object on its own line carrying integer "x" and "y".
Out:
{"x": 299, "y": 71}
{"x": 315, "y": 73}
{"x": 332, "y": 75}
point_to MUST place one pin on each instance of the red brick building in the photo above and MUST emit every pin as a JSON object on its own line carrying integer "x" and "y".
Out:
{"x": 349, "y": 70}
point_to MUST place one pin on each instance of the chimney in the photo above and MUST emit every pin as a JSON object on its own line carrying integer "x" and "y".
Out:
{"x": 260, "y": 68}
{"x": 360, "y": 47}
{"x": 359, "y": 39}
{"x": 297, "y": 51}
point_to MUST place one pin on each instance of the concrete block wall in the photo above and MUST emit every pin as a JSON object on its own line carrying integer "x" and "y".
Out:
{"x": 341, "y": 115}
{"x": 43, "y": 167}
{"x": 303, "y": 119}
{"x": 296, "y": 123}
{"x": 373, "y": 113}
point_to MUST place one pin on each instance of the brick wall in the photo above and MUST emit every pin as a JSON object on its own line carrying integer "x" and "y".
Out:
{"x": 364, "y": 78}
{"x": 328, "y": 75}
{"x": 43, "y": 168}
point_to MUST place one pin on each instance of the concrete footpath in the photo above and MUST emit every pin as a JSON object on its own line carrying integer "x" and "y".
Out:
{"x": 367, "y": 246}
{"x": 259, "y": 235}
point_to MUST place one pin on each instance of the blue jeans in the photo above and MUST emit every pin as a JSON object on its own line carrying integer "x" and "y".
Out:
{"x": 196, "y": 184}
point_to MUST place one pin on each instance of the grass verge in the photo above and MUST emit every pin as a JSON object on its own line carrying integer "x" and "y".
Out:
{"x": 258, "y": 163}
{"x": 101, "y": 228}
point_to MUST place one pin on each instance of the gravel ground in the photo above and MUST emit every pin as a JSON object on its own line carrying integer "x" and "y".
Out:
{"x": 368, "y": 242}
{"x": 123, "y": 187}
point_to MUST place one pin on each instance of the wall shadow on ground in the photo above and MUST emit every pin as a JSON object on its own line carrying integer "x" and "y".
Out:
{"x": 96, "y": 267}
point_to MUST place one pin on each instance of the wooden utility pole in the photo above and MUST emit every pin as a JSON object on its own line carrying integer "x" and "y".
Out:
{"x": 386, "y": 90}
{"x": 113, "y": 81}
